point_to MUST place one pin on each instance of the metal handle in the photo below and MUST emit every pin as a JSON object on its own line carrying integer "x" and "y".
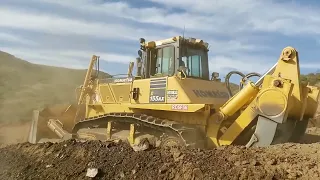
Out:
{"x": 260, "y": 80}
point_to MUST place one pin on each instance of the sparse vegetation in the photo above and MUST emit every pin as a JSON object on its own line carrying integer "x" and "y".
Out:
{"x": 312, "y": 78}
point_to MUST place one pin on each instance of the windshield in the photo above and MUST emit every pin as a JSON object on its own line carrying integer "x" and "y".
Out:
{"x": 196, "y": 62}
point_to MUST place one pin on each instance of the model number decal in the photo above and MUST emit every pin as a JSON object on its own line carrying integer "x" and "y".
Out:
{"x": 179, "y": 107}
{"x": 156, "y": 99}
{"x": 157, "y": 95}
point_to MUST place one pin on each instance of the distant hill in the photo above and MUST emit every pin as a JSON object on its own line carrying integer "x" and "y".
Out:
{"x": 25, "y": 86}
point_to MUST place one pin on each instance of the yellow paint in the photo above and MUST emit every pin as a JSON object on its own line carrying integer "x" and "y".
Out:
{"x": 312, "y": 101}
{"x": 212, "y": 131}
{"x": 131, "y": 134}
{"x": 168, "y": 107}
{"x": 109, "y": 130}
{"x": 240, "y": 99}
{"x": 238, "y": 126}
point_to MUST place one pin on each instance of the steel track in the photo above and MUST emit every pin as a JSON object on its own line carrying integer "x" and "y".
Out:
{"x": 190, "y": 135}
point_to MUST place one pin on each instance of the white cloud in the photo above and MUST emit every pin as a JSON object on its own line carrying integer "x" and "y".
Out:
{"x": 247, "y": 64}
{"x": 53, "y": 24}
{"x": 227, "y": 16}
{"x": 232, "y": 16}
{"x": 243, "y": 34}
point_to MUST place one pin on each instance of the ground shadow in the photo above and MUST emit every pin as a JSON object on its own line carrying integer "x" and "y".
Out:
{"x": 310, "y": 138}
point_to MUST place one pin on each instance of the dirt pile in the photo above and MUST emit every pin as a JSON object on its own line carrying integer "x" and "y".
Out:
{"x": 71, "y": 160}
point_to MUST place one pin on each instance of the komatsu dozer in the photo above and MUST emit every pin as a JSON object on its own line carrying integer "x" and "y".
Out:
{"x": 173, "y": 101}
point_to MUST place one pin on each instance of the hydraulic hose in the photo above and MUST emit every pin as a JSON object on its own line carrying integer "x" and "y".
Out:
{"x": 227, "y": 80}
{"x": 243, "y": 79}
{"x": 248, "y": 76}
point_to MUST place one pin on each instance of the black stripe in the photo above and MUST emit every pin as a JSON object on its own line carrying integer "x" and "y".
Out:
{"x": 158, "y": 86}
{"x": 162, "y": 79}
{"x": 159, "y": 82}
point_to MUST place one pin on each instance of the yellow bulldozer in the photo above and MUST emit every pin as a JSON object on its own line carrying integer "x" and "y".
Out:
{"x": 173, "y": 101}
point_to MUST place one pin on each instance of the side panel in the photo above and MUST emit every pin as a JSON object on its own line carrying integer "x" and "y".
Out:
{"x": 196, "y": 91}
{"x": 158, "y": 89}
{"x": 121, "y": 92}
{"x": 188, "y": 100}
{"x": 115, "y": 93}
{"x": 144, "y": 91}
{"x": 106, "y": 94}
{"x": 172, "y": 90}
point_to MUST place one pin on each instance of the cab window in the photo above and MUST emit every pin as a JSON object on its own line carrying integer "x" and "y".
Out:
{"x": 194, "y": 62}
{"x": 195, "y": 66}
{"x": 165, "y": 58}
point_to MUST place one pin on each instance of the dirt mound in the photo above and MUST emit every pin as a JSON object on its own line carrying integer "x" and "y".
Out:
{"x": 71, "y": 160}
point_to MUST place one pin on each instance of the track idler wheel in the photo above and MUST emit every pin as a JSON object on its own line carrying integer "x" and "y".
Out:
{"x": 171, "y": 141}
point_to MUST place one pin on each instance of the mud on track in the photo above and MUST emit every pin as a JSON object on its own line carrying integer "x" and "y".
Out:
{"x": 71, "y": 159}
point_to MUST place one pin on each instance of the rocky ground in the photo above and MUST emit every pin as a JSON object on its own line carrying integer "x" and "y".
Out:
{"x": 104, "y": 160}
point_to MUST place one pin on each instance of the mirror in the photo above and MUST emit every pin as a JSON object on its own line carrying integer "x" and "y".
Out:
{"x": 215, "y": 74}
{"x": 140, "y": 53}
{"x": 182, "y": 70}
{"x": 142, "y": 40}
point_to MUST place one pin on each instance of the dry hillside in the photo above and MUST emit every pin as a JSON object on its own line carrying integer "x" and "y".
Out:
{"x": 25, "y": 86}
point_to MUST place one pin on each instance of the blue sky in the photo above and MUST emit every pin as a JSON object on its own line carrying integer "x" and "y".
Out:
{"x": 246, "y": 35}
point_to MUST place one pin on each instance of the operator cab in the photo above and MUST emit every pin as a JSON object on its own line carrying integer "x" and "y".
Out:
{"x": 171, "y": 56}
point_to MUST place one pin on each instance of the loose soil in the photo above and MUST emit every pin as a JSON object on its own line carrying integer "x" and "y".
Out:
{"x": 71, "y": 160}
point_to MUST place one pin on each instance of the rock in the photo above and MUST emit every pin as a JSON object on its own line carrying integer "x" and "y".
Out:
{"x": 142, "y": 145}
{"x": 92, "y": 172}
{"x": 49, "y": 166}
{"x": 237, "y": 163}
{"x": 254, "y": 162}
{"x": 234, "y": 151}
{"x": 197, "y": 173}
{"x": 244, "y": 162}
{"x": 122, "y": 174}
{"x": 272, "y": 162}
{"x": 165, "y": 167}
{"x": 177, "y": 155}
